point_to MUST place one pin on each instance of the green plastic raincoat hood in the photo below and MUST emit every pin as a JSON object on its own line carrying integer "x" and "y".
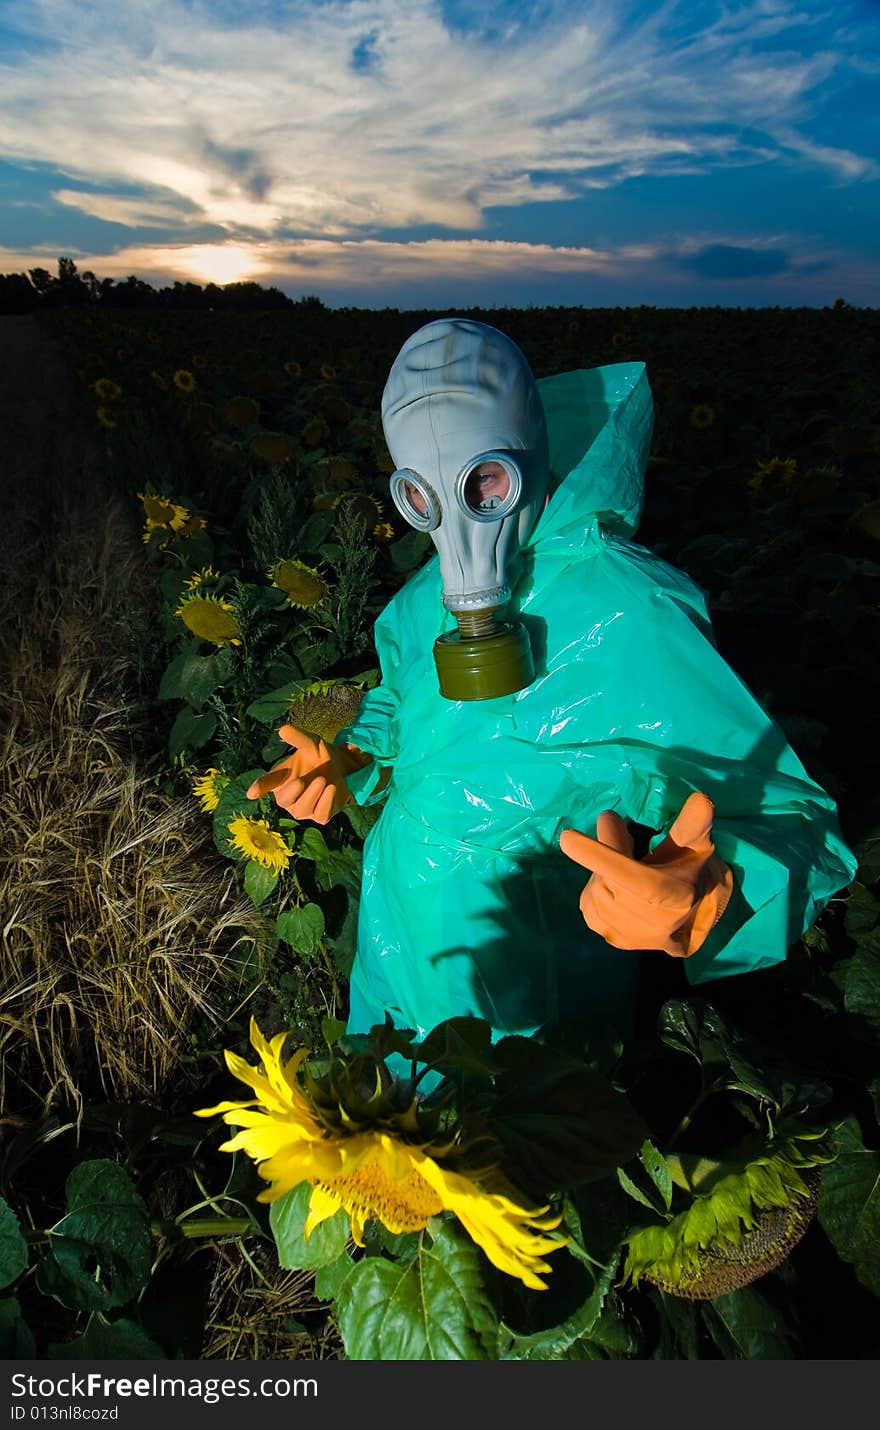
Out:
{"x": 468, "y": 905}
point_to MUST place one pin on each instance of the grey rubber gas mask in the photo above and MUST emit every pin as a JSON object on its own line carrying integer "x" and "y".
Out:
{"x": 466, "y": 430}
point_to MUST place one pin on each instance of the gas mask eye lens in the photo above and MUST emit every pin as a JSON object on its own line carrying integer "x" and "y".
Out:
{"x": 486, "y": 487}
{"x": 415, "y": 500}
{"x": 489, "y": 487}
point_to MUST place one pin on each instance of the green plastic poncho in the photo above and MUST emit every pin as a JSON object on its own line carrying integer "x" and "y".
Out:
{"x": 468, "y": 906}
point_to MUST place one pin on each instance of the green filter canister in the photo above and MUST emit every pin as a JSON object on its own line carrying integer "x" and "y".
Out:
{"x": 484, "y": 667}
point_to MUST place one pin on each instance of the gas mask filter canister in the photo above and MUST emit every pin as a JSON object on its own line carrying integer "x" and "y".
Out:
{"x": 464, "y": 424}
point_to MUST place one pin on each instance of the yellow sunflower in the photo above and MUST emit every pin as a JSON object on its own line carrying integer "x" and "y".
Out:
{"x": 106, "y": 389}
{"x": 208, "y": 788}
{"x": 207, "y": 576}
{"x": 158, "y": 381}
{"x": 184, "y": 380}
{"x": 210, "y": 618}
{"x": 293, "y": 369}
{"x": 383, "y": 531}
{"x": 161, "y": 511}
{"x": 184, "y": 523}
{"x": 303, "y": 586}
{"x": 328, "y": 371}
{"x": 775, "y": 472}
{"x": 702, "y": 416}
{"x": 106, "y": 416}
{"x": 386, "y": 1172}
{"x": 254, "y": 839}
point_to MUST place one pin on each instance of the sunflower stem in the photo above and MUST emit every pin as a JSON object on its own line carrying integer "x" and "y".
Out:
{"x": 203, "y": 1227}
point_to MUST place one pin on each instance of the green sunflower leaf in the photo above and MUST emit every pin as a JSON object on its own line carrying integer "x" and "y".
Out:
{"x": 302, "y": 928}
{"x": 191, "y": 677}
{"x": 16, "y": 1341}
{"x": 13, "y": 1247}
{"x": 101, "y": 1250}
{"x": 436, "y": 1308}
{"x": 190, "y": 731}
{"x": 459, "y": 1043}
{"x": 272, "y": 708}
{"x": 849, "y": 1204}
{"x": 744, "y": 1326}
{"x": 578, "y": 1326}
{"x": 330, "y": 1279}
{"x": 287, "y": 1218}
{"x": 732, "y": 1061}
{"x": 560, "y": 1122}
{"x": 258, "y": 881}
{"x": 862, "y": 982}
{"x": 120, "y": 1340}
{"x": 657, "y": 1168}
{"x": 862, "y": 912}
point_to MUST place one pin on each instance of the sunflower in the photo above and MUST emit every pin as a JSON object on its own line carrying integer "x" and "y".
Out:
{"x": 210, "y": 618}
{"x": 184, "y": 380}
{"x": 106, "y": 416}
{"x": 328, "y": 371}
{"x": 775, "y": 472}
{"x": 208, "y": 788}
{"x": 383, "y": 531}
{"x": 315, "y": 432}
{"x": 325, "y": 707}
{"x": 185, "y": 524}
{"x": 207, "y": 576}
{"x": 374, "y": 1167}
{"x": 745, "y": 1216}
{"x": 242, "y": 411}
{"x": 293, "y": 369}
{"x": 303, "y": 586}
{"x": 867, "y": 518}
{"x": 161, "y": 511}
{"x": 106, "y": 389}
{"x": 255, "y": 840}
{"x": 158, "y": 381}
{"x": 340, "y": 469}
{"x": 273, "y": 446}
{"x": 702, "y": 416}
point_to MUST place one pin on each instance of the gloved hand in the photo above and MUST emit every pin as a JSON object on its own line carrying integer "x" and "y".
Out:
{"x": 670, "y": 899}
{"x": 310, "y": 783}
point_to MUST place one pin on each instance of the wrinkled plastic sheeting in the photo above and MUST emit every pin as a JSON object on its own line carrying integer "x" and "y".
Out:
{"x": 468, "y": 905}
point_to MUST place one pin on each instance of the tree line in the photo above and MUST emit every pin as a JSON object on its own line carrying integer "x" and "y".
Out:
{"x": 39, "y": 289}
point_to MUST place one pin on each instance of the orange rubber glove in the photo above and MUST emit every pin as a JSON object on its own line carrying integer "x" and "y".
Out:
{"x": 310, "y": 783}
{"x": 670, "y": 899}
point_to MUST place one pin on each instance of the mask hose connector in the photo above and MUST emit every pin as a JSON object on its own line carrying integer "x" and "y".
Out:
{"x": 485, "y": 658}
{"x": 473, "y": 624}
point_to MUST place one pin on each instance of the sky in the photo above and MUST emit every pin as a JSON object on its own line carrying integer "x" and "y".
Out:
{"x": 441, "y": 153}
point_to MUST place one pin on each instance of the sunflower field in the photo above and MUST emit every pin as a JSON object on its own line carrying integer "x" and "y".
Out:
{"x": 196, "y": 1160}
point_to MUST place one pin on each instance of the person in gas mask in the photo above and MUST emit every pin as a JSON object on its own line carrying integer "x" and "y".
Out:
{"x": 544, "y": 682}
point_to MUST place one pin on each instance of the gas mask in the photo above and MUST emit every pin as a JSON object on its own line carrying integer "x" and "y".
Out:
{"x": 466, "y": 430}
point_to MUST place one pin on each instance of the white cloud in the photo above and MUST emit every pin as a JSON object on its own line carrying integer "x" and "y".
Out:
{"x": 337, "y": 262}
{"x": 261, "y": 124}
{"x": 472, "y": 271}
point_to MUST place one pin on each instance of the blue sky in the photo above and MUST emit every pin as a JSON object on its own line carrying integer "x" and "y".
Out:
{"x": 431, "y": 154}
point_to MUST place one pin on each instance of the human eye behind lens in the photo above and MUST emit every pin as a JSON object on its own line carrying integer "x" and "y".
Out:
{"x": 416, "y": 498}
{"x": 487, "y": 486}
